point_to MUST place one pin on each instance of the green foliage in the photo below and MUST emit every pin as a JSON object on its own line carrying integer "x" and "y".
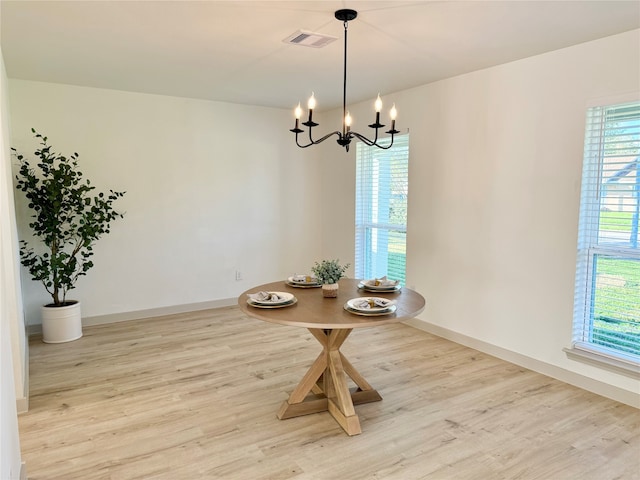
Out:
{"x": 618, "y": 295}
{"x": 67, "y": 218}
{"x": 616, "y": 221}
{"x": 396, "y": 267}
{"x": 616, "y": 304}
{"x": 617, "y": 334}
{"x": 329, "y": 271}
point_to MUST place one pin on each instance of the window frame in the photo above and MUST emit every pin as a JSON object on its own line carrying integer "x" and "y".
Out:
{"x": 363, "y": 225}
{"x": 590, "y": 249}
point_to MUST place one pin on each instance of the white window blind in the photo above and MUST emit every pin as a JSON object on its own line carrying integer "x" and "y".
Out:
{"x": 382, "y": 180}
{"x": 607, "y": 295}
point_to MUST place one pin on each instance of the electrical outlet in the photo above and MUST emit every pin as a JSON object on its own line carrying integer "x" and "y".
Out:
{"x": 238, "y": 275}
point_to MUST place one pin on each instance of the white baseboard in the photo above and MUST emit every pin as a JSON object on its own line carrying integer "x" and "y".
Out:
{"x": 23, "y": 471}
{"x": 157, "y": 312}
{"x": 618, "y": 394}
{"x": 572, "y": 378}
{"x": 22, "y": 404}
{"x": 140, "y": 314}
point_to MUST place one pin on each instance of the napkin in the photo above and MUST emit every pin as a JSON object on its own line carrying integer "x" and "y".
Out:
{"x": 381, "y": 282}
{"x": 366, "y": 303}
{"x": 265, "y": 297}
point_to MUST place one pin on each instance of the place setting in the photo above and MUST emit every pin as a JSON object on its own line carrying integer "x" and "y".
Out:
{"x": 370, "y": 306}
{"x": 382, "y": 284}
{"x": 303, "y": 281}
{"x": 265, "y": 299}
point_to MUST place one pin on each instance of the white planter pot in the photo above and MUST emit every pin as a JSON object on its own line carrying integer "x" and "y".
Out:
{"x": 61, "y": 324}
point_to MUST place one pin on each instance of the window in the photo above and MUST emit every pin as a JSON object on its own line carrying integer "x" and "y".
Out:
{"x": 381, "y": 210}
{"x": 607, "y": 300}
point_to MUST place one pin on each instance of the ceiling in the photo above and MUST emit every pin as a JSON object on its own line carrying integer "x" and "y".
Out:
{"x": 233, "y": 51}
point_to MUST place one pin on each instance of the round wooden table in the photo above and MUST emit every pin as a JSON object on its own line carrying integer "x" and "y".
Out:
{"x": 324, "y": 387}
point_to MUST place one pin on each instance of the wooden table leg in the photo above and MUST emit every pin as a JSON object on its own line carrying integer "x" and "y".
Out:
{"x": 324, "y": 387}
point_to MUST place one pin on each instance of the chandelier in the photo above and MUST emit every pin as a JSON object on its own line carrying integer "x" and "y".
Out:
{"x": 346, "y": 135}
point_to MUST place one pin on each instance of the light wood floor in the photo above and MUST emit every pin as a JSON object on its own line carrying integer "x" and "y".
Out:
{"x": 195, "y": 396}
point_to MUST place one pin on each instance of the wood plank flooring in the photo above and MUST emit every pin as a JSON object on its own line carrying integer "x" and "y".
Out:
{"x": 195, "y": 396}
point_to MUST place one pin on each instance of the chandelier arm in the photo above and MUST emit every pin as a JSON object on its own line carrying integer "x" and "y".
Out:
{"x": 311, "y": 142}
{"x": 303, "y": 146}
{"x": 375, "y": 139}
{"x": 362, "y": 138}
{"x": 371, "y": 143}
{"x": 320, "y": 140}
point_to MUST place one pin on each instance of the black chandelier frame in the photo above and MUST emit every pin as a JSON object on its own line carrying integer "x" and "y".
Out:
{"x": 346, "y": 135}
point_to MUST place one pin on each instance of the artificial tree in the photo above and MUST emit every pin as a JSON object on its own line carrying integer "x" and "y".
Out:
{"x": 67, "y": 217}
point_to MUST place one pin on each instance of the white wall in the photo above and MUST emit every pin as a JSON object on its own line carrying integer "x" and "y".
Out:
{"x": 13, "y": 348}
{"x": 495, "y": 171}
{"x": 211, "y": 188}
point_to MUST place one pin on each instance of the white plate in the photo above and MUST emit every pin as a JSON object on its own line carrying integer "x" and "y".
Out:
{"x": 296, "y": 283}
{"x": 379, "y": 288}
{"x": 371, "y": 283}
{"x": 279, "y": 305}
{"x": 352, "y": 304}
{"x": 368, "y": 313}
{"x": 285, "y": 297}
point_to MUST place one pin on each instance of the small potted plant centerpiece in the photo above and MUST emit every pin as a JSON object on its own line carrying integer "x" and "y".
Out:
{"x": 328, "y": 272}
{"x": 68, "y": 220}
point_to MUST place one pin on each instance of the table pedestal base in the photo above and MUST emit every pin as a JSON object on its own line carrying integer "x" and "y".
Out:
{"x": 324, "y": 386}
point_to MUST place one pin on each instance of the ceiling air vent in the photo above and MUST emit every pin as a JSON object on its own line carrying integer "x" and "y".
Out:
{"x": 309, "y": 39}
